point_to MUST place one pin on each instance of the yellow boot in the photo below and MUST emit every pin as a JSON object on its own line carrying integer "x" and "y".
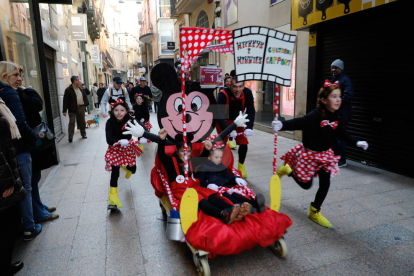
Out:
{"x": 128, "y": 172}
{"x": 284, "y": 170}
{"x": 141, "y": 147}
{"x": 317, "y": 217}
{"x": 232, "y": 145}
{"x": 241, "y": 168}
{"x": 113, "y": 197}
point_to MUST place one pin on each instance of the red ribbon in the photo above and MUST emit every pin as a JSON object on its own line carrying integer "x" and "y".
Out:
{"x": 119, "y": 101}
{"x": 123, "y": 128}
{"x": 328, "y": 83}
{"x": 140, "y": 94}
{"x": 219, "y": 145}
{"x": 327, "y": 123}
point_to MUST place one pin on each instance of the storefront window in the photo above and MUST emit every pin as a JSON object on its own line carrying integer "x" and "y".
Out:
{"x": 165, "y": 34}
{"x": 287, "y": 96}
{"x": 18, "y": 44}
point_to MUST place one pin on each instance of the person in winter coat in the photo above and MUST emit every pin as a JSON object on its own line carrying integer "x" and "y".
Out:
{"x": 11, "y": 192}
{"x": 95, "y": 94}
{"x": 157, "y": 94}
{"x": 100, "y": 92}
{"x": 41, "y": 160}
{"x": 10, "y": 74}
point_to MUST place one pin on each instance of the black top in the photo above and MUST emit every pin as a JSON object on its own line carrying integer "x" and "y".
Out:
{"x": 141, "y": 112}
{"x": 168, "y": 162}
{"x": 32, "y": 105}
{"x": 146, "y": 91}
{"x": 114, "y": 130}
{"x": 211, "y": 173}
{"x": 316, "y": 137}
{"x": 100, "y": 93}
{"x": 235, "y": 106}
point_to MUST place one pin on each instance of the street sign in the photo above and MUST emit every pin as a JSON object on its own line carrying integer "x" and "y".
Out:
{"x": 171, "y": 45}
{"x": 211, "y": 77}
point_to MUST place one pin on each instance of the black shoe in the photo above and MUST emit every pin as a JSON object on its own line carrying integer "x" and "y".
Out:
{"x": 260, "y": 203}
{"x": 14, "y": 268}
{"x": 84, "y": 137}
{"x": 70, "y": 140}
{"x": 342, "y": 163}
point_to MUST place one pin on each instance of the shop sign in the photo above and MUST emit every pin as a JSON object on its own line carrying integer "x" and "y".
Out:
{"x": 95, "y": 54}
{"x": 211, "y": 77}
{"x": 263, "y": 54}
{"x": 78, "y": 26}
{"x": 171, "y": 45}
{"x": 65, "y": 66}
{"x": 309, "y": 12}
{"x": 142, "y": 70}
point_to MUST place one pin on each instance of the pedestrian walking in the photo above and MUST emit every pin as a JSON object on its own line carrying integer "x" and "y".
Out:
{"x": 100, "y": 93}
{"x": 75, "y": 101}
{"x": 345, "y": 112}
{"x": 122, "y": 151}
{"x": 156, "y": 94}
{"x": 113, "y": 93}
{"x": 95, "y": 94}
{"x": 11, "y": 192}
{"x": 315, "y": 157}
{"x": 231, "y": 101}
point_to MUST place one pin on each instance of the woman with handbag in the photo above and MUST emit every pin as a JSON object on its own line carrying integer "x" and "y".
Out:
{"x": 42, "y": 157}
{"x": 9, "y": 75}
{"x": 11, "y": 192}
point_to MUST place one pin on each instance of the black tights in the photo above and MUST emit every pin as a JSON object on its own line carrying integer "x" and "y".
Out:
{"x": 324, "y": 183}
{"x": 115, "y": 174}
{"x": 237, "y": 199}
{"x": 213, "y": 206}
{"x": 242, "y": 153}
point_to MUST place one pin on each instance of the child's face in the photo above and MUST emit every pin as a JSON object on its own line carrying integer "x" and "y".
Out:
{"x": 333, "y": 102}
{"x": 139, "y": 100}
{"x": 181, "y": 152}
{"x": 216, "y": 156}
{"x": 119, "y": 112}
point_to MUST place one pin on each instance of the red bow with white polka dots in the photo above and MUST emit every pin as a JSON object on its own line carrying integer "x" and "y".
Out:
{"x": 119, "y": 101}
{"x": 327, "y": 123}
{"x": 328, "y": 83}
{"x": 219, "y": 145}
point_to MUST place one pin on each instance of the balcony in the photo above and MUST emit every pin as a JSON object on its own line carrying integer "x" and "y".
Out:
{"x": 174, "y": 12}
{"x": 185, "y": 6}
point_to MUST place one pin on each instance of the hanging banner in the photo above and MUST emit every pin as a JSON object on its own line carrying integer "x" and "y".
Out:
{"x": 211, "y": 77}
{"x": 79, "y": 27}
{"x": 309, "y": 12}
{"x": 263, "y": 54}
{"x": 95, "y": 54}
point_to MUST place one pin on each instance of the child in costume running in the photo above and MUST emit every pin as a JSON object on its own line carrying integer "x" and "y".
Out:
{"x": 121, "y": 152}
{"x": 213, "y": 174}
{"x": 141, "y": 111}
{"x": 209, "y": 202}
{"x": 315, "y": 155}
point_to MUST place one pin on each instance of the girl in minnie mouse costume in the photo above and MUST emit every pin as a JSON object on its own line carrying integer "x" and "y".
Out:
{"x": 122, "y": 151}
{"x": 315, "y": 155}
{"x": 214, "y": 175}
{"x": 141, "y": 110}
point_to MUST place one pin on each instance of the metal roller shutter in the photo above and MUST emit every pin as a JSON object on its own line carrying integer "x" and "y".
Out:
{"x": 51, "y": 77}
{"x": 374, "y": 47}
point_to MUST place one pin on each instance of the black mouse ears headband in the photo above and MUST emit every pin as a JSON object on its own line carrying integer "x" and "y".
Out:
{"x": 218, "y": 145}
{"x": 179, "y": 138}
{"x": 113, "y": 103}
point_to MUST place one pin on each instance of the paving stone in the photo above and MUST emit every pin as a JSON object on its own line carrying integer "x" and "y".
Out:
{"x": 86, "y": 265}
{"x": 122, "y": 223}
{"x": 69, "y": 207}
{"x": 96, "y": 193}
{"x": 90, "y": 239}
{"x": 93, "y": 212}
{"x": 60, "y": 233}
{"x": 75, "y": 191}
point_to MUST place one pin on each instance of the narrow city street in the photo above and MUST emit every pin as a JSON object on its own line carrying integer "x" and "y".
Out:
{"x": 372, "y": 212}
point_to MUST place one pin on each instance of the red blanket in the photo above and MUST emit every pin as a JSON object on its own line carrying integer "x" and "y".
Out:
{"x": 211, "y": 235}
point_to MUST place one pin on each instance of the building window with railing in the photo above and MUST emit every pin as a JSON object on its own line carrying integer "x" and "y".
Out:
{"x": 202, "y": 20}
{"x": 164, "y": 9}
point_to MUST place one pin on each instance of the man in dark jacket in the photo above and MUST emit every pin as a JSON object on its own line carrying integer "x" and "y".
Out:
{"x": 100, "y": 92}
{"x": 345, "y": 111}
{"x": 142, "y": 88}
{"x": 76, "y": 101}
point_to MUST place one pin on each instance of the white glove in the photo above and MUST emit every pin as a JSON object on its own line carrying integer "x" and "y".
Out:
{"x": 233, "y": 134}
{"x": 135, "y": 129}
{"x": 248, "y": 132}
{"x": 277, "y": 125}
{"x": 123, "y": 142}
{"x": 241, "y": 120}
{"x": 142, "y": 120}
{"x": 213, "y": 187}
{"x": 362, "y": 144}
{"x": 143, "y": 140}
{"x": 241, "y": 182}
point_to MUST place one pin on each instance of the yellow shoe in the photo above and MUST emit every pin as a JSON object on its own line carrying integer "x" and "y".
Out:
{"x": 188, "y": 209}
{"x": 241, "y": 168}
{"x": 284, "y": 170}
{"x": 128, "y": 172}
{"x": 113, "y": 197}
{"x": 232, "y": 145}
{"x": 141, "y": 147}
{"x": 275, "y": 193}
{"x": 317, "y": 217}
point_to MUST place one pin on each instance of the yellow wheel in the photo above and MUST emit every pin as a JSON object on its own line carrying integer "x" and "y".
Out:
{"x": 203, "y": 268}
{"x": 279, "y": 248}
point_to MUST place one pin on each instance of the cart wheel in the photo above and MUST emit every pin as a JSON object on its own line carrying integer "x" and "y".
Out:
{"x": 279, "y": 248}
{"x": 202, "y": 265}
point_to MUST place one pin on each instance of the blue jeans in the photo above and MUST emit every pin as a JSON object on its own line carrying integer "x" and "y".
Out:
{"x": 40, "y": 212}
{"x": 26, "y": 207}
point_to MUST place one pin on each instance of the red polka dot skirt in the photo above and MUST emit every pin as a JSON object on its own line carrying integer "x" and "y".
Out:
{"x": 148, "y": 125}
{"x": 305, "y": 163}
{"x": 121, "y": 156}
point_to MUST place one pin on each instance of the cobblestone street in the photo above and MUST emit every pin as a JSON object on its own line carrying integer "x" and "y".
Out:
{"x": 372, "y": 212}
